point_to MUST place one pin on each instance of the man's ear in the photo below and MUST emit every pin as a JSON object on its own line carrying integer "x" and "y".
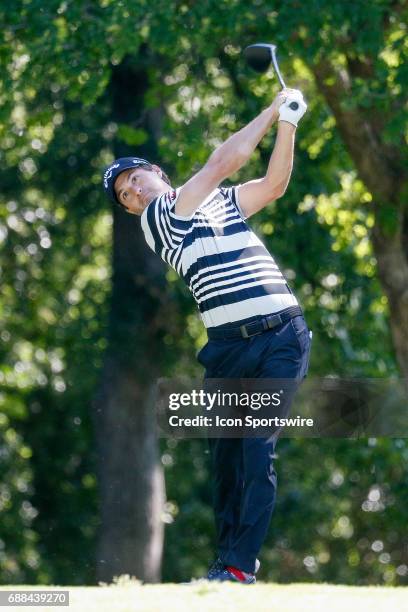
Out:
{"x": 158, "y": 170}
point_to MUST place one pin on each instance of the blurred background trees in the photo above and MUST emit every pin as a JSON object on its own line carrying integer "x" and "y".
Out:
{"x": 90, "y": 318}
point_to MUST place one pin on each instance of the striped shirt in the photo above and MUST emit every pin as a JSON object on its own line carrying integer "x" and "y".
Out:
{"x": 229, "y": 271}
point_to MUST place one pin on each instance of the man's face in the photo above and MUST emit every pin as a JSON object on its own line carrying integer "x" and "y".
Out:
{"x": 136, "y": 188}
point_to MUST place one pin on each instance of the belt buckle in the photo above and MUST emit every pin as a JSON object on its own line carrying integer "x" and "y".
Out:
{"x": 271, "y": 319}
{"x": 244, "y": 332}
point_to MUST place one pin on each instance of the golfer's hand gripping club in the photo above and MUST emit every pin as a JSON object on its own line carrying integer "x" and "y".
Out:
{"x": 293, "y": 109}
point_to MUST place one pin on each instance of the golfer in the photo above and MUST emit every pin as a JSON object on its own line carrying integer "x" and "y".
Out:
{"x": 255, "y": 326}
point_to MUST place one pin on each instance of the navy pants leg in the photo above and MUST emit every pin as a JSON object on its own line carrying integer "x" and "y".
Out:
{"x": 244, "y": 477}
{"x": 227, "y": 490}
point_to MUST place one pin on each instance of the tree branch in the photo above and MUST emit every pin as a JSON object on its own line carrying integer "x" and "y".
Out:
{"x": 376, "y": 165}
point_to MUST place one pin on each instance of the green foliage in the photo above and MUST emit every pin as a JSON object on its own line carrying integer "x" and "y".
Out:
{"x": 19, "y": 554}
{"x": 340, "y": 514}
{"x": 131, "y": 136}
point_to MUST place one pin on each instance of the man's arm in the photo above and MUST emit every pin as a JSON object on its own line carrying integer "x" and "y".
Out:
{"x": 227, "y": 159}
{"x": 255, "y": 195}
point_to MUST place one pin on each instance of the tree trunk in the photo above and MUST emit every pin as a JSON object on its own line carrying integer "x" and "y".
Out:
{"x": 392, "y": 260}
{"x": 380, "y": 167}
{"x": 130, "y": 476}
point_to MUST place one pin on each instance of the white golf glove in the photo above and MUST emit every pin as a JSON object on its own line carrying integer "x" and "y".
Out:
{"x": 293, "y": 115}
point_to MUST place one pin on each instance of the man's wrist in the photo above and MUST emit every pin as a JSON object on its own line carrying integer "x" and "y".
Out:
{"x": 286, "y": 126}
{"x": 273, "y": 113}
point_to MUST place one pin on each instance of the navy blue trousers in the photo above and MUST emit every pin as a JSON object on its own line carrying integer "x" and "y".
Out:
{"x": 244, "y": 477}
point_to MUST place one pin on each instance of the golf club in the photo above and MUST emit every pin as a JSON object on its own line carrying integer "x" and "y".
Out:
{"x": 260, "y": 56}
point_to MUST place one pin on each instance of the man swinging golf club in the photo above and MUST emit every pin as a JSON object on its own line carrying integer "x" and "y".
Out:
{"x": 255, "y": 326}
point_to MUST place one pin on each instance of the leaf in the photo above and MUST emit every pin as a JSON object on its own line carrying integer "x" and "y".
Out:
{"x": 132, "y": 136}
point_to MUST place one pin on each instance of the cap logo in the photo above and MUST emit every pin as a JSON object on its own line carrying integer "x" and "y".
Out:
{"x": 108, "y": 174}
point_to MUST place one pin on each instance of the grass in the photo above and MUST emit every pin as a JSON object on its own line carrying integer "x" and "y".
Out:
{"x": 126, "y": 595}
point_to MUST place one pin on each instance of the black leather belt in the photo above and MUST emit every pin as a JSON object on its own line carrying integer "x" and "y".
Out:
{"x": 256, "y": 327}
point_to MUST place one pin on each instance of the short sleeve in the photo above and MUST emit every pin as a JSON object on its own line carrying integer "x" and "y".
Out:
{"x": 163, "y": 229}
{"x": 232, "y": 194}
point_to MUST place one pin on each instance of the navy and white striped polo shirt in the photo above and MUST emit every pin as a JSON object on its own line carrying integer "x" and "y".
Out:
{"x": 230, "y": 273}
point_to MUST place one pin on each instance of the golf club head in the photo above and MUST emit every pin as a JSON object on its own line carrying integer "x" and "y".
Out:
{"x": 259, "y": 56}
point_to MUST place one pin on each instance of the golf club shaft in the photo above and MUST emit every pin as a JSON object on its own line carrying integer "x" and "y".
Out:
{"x": 260, "y": 56}
{"x": 293, "y": 105}
{"x": 276, "y": 67}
